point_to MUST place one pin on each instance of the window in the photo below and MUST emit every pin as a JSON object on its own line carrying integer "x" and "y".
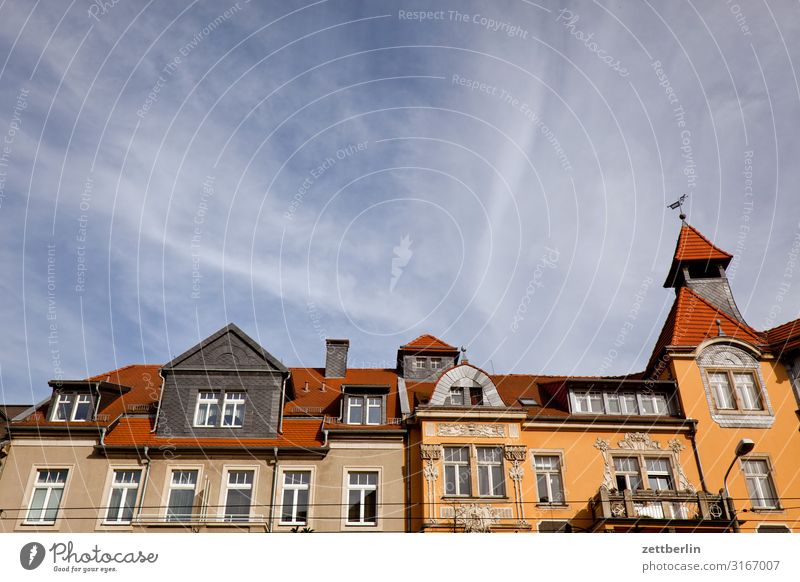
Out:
{"x": 47, "y": 494}
{"x": 210, "y": 404}
{"x": 723, "y": 396}
{"x": 759, "y": 484}
{"x": 490, "y": 472}
{"x": 555, "y": 527}
{"x": 777, "y": 528}
{"x": 239, "y": 495}
{"x": 745, "y": 394}
{"x": 627, "y": 473}
{"x": 626, "y": 403}
{"x": 659, "y": 474}
{"x": 124, "y": 490}
{"x": 74, "y": 407}
{"x": 233, "y": 411}
{"x": 362, "y": 498}
{"x": 181, "y": 495}
{"x": 476, "y": 396}
{"x": 457, "y": 480}
{"x": 588, "y": 402}
{"x": 456, "y": 397}
{"x": 525, "y": 401}
{"x": 549, "y": 483}
{"x": 436, "y": 363}
{"x": 419, "y": 363}
{"x": 295, "y": 497}
{"x": 364, "y": 409}
{"x": 653, "y": 403}
{"x": 207, "y": 412}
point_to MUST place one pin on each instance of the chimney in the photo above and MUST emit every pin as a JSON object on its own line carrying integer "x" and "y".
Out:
{"x": 336, "y": 357}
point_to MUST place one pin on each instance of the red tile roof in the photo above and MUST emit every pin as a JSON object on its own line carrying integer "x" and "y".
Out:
{"x": 428, "y": 342}
{"x": 692, "y": 320}
{"x": 784, "y": 337}
{"x": 693, "y": 246}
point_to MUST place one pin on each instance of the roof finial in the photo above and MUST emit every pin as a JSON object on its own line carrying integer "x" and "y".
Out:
{"x": 720, "y": 333}
{"x": 679, "y": 204}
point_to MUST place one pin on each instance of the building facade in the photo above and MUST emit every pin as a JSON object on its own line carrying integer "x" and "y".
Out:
{"x": 226, "y": 438}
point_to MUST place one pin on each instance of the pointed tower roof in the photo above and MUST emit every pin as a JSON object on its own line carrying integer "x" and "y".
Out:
{"x": 693, "y": 247}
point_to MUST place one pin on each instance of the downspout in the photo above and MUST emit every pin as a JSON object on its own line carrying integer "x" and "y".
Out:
{"x": 146, "y": 463}
{"x": 693, "y": 438}
{"x": 160, "y": 395}
{"x": 274, "y": 485}
{"x": 97, "y": 403}
{"x": 407, "y": 440}
{"x": 283, "y": 402}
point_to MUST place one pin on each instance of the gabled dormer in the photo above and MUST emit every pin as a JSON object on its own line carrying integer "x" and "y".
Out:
{"x": 425, "y": 358}
{"x": 225, "y": 386}
{"x": 700, "y": 266}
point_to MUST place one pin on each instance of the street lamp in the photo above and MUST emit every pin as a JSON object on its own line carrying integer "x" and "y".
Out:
{"x": 742, "y": 448}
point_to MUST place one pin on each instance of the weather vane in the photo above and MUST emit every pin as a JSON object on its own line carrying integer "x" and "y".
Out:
{"x": 679, "y": 204}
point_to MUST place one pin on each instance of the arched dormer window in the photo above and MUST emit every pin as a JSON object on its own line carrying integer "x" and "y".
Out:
{"x": 734, "y": 386}
{"x": 465, "y": 385}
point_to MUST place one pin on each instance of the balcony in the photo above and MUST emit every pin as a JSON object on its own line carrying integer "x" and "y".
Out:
{"x": 658, "y": 508}
{"x": 199, "y": 521}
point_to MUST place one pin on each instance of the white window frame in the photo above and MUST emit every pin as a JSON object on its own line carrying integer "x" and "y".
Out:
{"x": 237, "y": 486}
{"x": 769, "y": 476}
{"x": 236, "y": 399}
{"x": 363, "y": 488}
{"x": 490, "y": 464}
{"x": 208, "y": 402}
{"x": 34, "y": 485}
{"x": 168, "y": 488}
{"x": 670, "y": 471}
{"x": 295, "y": 488}
{"x": 641, "y": 460}
{"x": 73, "y": 400}
{"x": 549, "y": 472}
{"x": 436, "y": 363}
{"x": 642, "y": 398}
{"x": 458, "y": 392}
{"x": 126, "y": 488}
{"x": 738, "y": 400}
{"x": 420, "y": 362}
{"x": 457, "y": 464}
{"x": 364, "y": 405}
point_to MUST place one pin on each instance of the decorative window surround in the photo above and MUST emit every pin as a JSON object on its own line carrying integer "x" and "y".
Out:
{"x": 641, "y": 446}
{"x": 719, "y": 357}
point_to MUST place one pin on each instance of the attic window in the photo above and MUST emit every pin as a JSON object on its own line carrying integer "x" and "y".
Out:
{"x": 72, "y": 407}
{"x": 528, "y": 402}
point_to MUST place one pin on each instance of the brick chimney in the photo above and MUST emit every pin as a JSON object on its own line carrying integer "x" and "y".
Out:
{"x": 336, "y": 357}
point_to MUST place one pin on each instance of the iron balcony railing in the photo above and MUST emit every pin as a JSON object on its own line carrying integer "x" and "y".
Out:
{"x": 657, "y": 505}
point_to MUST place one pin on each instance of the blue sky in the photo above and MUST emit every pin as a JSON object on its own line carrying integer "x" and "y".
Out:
{"x": 495, "y": 174}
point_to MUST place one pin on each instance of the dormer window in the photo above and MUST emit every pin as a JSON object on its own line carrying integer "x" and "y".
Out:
{"x": 72, "y": 407}
{"x": 745, "y": 396}
{"x": 436, "y": 363}
{"x": 420, "y": 363}
{"x": 209, "y": 405}
{"x": 364, "y": 409}
{"x": 645, "y": 403}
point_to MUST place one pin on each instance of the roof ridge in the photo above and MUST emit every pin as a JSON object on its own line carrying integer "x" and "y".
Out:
{"x": 118, "y": 370}
{"x": 791, "y": 321}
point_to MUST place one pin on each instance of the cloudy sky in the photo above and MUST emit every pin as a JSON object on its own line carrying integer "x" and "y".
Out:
{"x": 495, "y": 174}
